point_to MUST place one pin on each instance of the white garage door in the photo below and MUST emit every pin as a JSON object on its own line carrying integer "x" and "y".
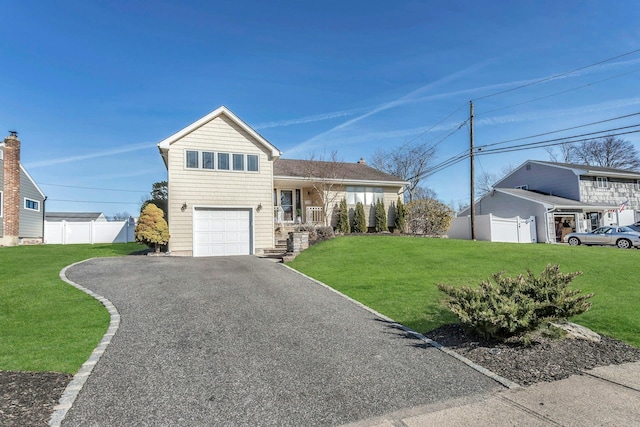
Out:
{"x": 221, "y": 232}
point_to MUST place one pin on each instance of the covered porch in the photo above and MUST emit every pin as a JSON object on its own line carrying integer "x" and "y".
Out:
{"x": 297, "y": 202}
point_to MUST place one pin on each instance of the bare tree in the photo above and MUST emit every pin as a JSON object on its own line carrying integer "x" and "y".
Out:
{"x": 409, "y": 162}
{"x": 486, "y": 180}
{"x": 608, "y": 151}
{"x": 120, "y": 216}
{"x": 324, "y": 175}
{"x": 564, "y": 155}
{"x": 423, "y": 193}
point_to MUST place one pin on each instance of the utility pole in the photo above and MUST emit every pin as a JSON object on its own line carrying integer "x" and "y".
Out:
{"x": 473, "y": 192}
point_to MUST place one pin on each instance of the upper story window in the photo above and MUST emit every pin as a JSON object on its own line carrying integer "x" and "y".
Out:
{"x": 252, "y": 163}
{"x": 638, "y": 184}
{"x": 32, "y": 205}
{"x": 364, "y": 195}
{"x": 221, "y": 161}
{"x": 602, "y": 182}
{"x": 522, "y": 187}
{"x": 207, "y": 160}
{"x": 192, "y": 159}
{"x": 238, "y": 162}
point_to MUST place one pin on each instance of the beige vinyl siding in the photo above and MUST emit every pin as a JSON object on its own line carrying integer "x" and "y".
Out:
{"x": 215, "y": 188}
{"x": 390, "y": 195}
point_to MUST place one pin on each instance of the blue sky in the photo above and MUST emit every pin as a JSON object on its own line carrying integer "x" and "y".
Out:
{"x": 93, "y": 86}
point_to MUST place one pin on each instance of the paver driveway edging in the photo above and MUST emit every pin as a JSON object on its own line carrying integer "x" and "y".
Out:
{"x": 505, "y": 382}
{"x": 73, "y": 388}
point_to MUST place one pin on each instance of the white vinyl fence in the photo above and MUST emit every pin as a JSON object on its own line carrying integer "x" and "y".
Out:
{"x": 495, "y": 229}
{"x": 69, "y": 233}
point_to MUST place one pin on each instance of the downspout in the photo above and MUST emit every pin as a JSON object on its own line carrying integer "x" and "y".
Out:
{"x": 43, "y": 216}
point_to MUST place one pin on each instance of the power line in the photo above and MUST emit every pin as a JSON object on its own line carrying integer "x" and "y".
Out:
{"x": 95, "y": 188}
{"x": 562, "y": 130}
{"x": 548, "y": 143}
{"x": 432, "y": 127}
{"x": 92, "y": 201}
{"x": 557, "y": 75}
{"x": 558, "y": 93}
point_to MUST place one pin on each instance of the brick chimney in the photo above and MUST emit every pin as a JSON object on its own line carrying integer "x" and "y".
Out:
{"x": 11, "y": 190}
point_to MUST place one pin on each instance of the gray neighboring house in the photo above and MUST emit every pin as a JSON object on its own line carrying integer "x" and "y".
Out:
{"x": 565, "y": 197}
{"x": 21, "y": 200}
{"x": 75, "y": 216}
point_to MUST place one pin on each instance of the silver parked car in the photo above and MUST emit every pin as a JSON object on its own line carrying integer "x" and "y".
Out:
{"x": 622, "y": 237}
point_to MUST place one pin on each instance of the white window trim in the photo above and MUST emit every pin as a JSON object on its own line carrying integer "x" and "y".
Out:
{"x": 216, "y": 161}
{"x": 186, "y": 157}
{"x": 376, "y": 192}
{"x": 602, "y": 182}
{"x": 257, "y": 163}
{"x": 31, "y": 209}
{"x": 1, "y": 203}
{"x": 638, "y": 184}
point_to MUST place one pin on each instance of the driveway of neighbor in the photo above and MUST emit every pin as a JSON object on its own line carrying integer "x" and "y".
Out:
{"x": 245, "y": 341}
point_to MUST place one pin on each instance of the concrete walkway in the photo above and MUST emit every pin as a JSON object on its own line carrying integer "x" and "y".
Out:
{"x": 244, "y": 341}
{"x": 605, "y": 396}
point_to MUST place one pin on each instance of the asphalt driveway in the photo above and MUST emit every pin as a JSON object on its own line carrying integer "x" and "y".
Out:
{"x": 243, "y": 341}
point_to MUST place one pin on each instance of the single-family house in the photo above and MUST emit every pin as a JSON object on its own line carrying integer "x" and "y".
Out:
{"x": 228, "y": 188}
{"x": 75, "y": 216}
{"x": 21, "y": 200}
{"x": 564, "y": 197}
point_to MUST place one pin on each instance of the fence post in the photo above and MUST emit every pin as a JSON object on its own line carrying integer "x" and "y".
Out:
{"x": 63, "y": 230}
{"x": 91, "y": 231}
{"x": 518, "y": 228}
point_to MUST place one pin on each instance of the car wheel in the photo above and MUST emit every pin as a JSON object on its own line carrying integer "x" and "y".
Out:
{"x": 623, "y": 244}
{"x": 574, "y": 241}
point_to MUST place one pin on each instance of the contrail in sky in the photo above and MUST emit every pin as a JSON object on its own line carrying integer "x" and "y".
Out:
{"x": 94, "y": 155}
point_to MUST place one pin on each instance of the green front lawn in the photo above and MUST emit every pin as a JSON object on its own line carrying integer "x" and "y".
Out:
{"x": 46, "y": 324}
{"x": 397, "y": 276}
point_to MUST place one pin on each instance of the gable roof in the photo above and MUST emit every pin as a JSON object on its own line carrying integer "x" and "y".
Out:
{"x": 551, "y": 201}
{"x": 165, "y": 144}
{"x": 73, "y": 216}
{"x": 590, "y": 170}
{"x": 342, "y": 171}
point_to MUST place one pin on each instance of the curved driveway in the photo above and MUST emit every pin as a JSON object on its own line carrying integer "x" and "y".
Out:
{"x": 245, "y": 341}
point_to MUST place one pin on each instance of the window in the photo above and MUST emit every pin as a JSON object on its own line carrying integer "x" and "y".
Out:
{"x": 31, "y": 205}
{"x": 252, "y": 162}
{"x": 522, "y": 187}
{"x": 192, "y": 159}
{"x": 364, "y": 195}
{"x": 207, "y": 160}
{"x": 601, "y": 182}
{"x": 238, "y": 162}
{"x": 223, "y": 161}
{"x": 638, "y": 184}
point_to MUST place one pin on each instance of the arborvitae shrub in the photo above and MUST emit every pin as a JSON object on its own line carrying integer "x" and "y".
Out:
{"x": 381, "y": 217}
{"x": 400, "y": 221}
{"x": 359, "y": 219}
{"x": 343, "y": 225}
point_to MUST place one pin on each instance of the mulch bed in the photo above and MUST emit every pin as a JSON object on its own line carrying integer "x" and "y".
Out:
{"x": 28, "y": 398}
{"x": 545, "y": 359}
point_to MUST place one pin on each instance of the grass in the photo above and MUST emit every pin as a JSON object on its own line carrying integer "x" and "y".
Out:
{"x": 397, "y": 276}
{"x": 46, "y": 324}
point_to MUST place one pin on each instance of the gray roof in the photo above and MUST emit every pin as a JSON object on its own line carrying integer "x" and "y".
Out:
{"x": 342, "y": 171}
{"x": 552, "y": 201}
{"x": 591, "y": 169}
{"x": 72, "y": 216}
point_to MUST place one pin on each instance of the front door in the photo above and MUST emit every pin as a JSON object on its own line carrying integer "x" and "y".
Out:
{"x": 286, "y": 203}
